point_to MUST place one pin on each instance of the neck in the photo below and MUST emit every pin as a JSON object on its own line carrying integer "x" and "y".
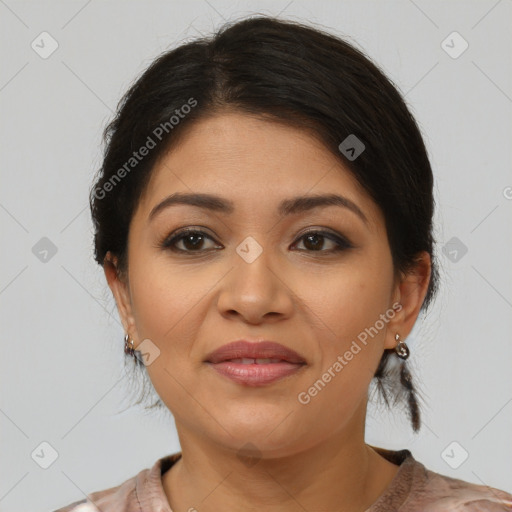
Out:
{"x": 342, "y": 473}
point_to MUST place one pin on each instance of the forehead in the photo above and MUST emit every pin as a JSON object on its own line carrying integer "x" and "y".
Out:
{"x": 254, "y": 163}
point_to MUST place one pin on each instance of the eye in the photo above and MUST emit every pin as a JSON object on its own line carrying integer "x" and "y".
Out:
{"x": 314, "y": 241}
{"x": 193, "y": 240}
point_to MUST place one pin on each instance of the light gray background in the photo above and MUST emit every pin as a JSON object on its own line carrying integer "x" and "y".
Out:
{"x": 61, "y": 365}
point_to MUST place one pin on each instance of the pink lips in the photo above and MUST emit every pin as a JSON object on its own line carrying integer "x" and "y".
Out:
{"x": 255, "y": 364}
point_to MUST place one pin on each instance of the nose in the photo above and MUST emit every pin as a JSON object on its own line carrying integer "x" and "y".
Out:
{"x": 256, "y": 292}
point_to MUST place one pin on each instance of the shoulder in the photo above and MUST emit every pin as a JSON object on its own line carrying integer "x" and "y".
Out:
{"x": 143, "y": 491}
{"x": 112, "y": 499}
{"x": 417, "y": 488}
{"x": 431, "y": 491}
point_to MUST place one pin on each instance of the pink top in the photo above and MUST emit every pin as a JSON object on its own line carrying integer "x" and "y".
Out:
{"x": 414, "y": 488}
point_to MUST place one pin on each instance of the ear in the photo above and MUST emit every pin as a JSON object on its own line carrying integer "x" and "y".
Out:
{"x": 120, "y": 289}
{"x": 409, "y": 291}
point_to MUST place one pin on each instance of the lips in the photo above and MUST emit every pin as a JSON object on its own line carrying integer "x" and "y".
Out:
{"x": 262, "y": 352}
{"x": 255, "y": 364}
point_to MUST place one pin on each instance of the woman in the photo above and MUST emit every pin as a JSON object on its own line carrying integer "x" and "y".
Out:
{"x": 263, "y": 216}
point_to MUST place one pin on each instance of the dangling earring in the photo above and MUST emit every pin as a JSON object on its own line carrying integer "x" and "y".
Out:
{"x": 402, "y": 350}
{"x": 128, "y": 345}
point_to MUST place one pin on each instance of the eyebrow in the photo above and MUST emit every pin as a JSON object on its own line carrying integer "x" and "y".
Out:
{"x": 287, "y": 207}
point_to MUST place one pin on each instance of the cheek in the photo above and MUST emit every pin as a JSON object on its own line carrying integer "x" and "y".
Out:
{"x": 167, "y": 307}
{"x": 349, "y": 352}
{"x": 346, "y": 311}
{"x": 345, "y": 302}
{"x": 164, "y": 296}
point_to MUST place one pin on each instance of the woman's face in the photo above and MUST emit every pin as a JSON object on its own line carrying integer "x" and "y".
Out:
{"x": 256, "y": 275}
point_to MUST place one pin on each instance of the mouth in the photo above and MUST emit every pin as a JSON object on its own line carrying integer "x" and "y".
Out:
{"x": 255, "y": 364}
{"x": 248, "y": 360}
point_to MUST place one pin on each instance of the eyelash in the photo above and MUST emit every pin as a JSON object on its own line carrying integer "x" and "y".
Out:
{"x": 170, "y": 242}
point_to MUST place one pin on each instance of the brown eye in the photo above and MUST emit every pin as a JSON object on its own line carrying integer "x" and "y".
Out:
{"x": 192, "y": 241}
{"x": 314, "y": 241}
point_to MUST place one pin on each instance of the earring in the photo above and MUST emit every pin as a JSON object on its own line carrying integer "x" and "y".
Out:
{"x": 128, "y": 346}
{"x": 402, "y": 350}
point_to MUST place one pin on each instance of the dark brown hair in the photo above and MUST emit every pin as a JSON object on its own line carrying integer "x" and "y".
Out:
{"x": 295, "y": 74}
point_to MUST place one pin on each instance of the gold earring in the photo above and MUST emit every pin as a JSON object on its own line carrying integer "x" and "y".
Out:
{"x": 128, "y": 345}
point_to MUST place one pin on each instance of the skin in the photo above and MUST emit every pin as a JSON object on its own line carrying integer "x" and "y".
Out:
{"x": 309, "y": 457}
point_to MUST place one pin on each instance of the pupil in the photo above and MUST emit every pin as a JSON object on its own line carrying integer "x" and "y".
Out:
{"x": 315, "y": 238}
{"x": 190, "y": 237}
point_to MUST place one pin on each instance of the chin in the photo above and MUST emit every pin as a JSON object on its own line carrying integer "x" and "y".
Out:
{"x": 273, "y": 436}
